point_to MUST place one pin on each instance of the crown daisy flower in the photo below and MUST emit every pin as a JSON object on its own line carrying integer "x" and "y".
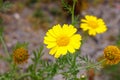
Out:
{"x": 93, "y": 25}
{"x": 20, "y": 55}
{"x": 62, "y": 39}
{"x": 112, "y": 55}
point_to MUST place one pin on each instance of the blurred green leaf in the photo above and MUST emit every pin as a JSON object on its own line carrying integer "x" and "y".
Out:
{"x": 19, "y": 45}
{"x": 118, "y": 41}
{"x": 113, "y": 71}
{"x": 37, "y": 54}
{"x": 5, "y": 6}
{"x": 66, "y": 6}
{"x": 1, "y": 26}
{"x": 38, "y": 13}
{"x": 6, "y": 76}
{"x": 1, "y": 3}
{"x": 1, "y": 31}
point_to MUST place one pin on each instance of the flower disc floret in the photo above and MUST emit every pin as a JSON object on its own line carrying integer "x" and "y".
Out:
{"x": 20, "y": 55}
{"x": 112, "y": 54}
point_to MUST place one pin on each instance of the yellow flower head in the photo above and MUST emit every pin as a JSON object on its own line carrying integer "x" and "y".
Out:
{"x": 62, "y": 39}
{"x": 112, "y": 55}
{"x": 20, "y": 55}
{"x": 93, "y": 24}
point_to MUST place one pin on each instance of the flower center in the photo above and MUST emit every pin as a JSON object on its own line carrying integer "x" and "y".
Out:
{"x": 109, "y": 56}
{"x": 93, "y": 24}
{"x": 63, "y": 41}
{"x": 20, "y": 55}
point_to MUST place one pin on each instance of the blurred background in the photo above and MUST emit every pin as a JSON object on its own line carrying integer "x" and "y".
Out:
{"x": 29, "y": 20}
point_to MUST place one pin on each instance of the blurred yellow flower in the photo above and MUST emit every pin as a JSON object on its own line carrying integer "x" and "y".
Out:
{"x": 112, "y": 55}
{"x": 93, "y": 24}
{"x": 62, "y": 39}
{"x": 20, "y": 55}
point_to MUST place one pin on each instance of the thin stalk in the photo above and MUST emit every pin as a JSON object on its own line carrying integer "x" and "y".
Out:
{"x": 74, "y": 60}
{"x": 23, "y": 75}
{"x": 1, "y": 3}
{"x": 34, "y": 69}
{"x": 73, "y": 9}
{"x": 92, "y": 65}
{"x": 4, "y": 46}
{"x": 13, "y": 69}
{"x": 74, "y": 64}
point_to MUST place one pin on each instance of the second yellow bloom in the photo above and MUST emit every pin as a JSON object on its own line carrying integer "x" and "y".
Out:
{"x": 93, "y": 25}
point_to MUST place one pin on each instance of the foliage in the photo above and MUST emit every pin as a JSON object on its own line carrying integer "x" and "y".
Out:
{"x": 4, "y": 6}
{"x": 118, "y": 40}
{"x": 112, "y": 71}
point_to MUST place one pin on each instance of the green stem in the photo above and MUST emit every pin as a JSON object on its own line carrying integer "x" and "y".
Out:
{"x": 34, "y": 70}
{"x": 91, "y": 66}
{"x": 34, "y": 67}
{"x": 74, "y": 60}
{"x": 1, "y": 3}
{"x": 4, "y": 46}
{"x": 13, "y": 69}
{"x": 74, "y": 65}
{"x": 24, "y": 75}
{"x": 73, "y": 9}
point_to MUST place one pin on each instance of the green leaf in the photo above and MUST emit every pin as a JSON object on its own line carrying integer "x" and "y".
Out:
{"x": 1, "y": 3}
{"x": 35, "y": 54}
{"x": 5, "y": 6}
{"x": 66, "y": 6}
{"x": 118, "y": 41}
{"x": 1, "y": 27}
{"x": 19, "y": 45}
{"x": 1, "y": 31}
{"x": 40, "y": 51}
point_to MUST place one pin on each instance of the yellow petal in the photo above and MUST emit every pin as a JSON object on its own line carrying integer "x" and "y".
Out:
{"x": 57, "y": 29}
{"x": 53, "y": 50}
{"x": 51, "y": 45}
{"x": 49, "y": 38}
{"x": 75, "y": 41}
{"x": 63, "y": 50}
{"x": 57, "y": 54}
{"x": 70, "y": 49}
{"x": 72, "y": 30}
{"x": 84, "y": 26}
{"x": 51, "y": 33}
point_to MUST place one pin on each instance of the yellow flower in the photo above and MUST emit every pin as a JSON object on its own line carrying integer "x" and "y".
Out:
{"x": 20, "y": 55}
{"x": 62, "y": 39}
{"x": 93, "y": 24}
{"x": 112, "y": 55}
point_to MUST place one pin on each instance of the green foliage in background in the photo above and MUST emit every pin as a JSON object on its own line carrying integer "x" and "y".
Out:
{"x": 4, "y": 6}
{"x": 113, "y": 72}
